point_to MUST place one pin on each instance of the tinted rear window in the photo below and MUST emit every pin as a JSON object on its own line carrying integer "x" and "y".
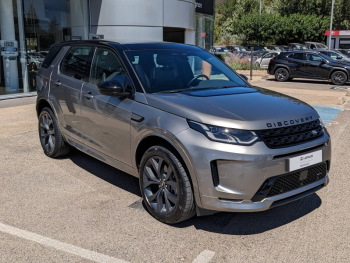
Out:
{"x": 299, "y": 56}
{"x": 50, "y": 57}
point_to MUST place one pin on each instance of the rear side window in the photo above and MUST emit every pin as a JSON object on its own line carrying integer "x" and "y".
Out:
{"x": 313, "y": 57}
{"x": 76, "y": 64}
{"x": 50, "y": 57}
{"x": 299, "y": 56}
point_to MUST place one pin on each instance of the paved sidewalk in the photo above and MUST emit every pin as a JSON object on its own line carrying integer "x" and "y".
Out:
{"x": 78, "y": 209}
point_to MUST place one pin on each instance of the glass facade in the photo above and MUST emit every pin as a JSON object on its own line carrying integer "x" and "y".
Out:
{"x": 204, "y": 31}
{"x": 30, "y": 27}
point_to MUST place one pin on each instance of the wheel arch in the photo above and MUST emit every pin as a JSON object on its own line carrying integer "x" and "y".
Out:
{"x": 41, "y": 104}
{"x": 280, "y": 66}
{"x": 338, "y": 69}
{"x": 156, "y": 139}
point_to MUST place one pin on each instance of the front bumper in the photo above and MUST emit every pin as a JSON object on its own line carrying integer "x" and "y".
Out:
{"x": 243, "y": 169}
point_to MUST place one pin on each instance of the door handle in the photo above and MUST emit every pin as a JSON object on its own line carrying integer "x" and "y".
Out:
{"x": 57, "y": 83}
{"x": 88, "y": 95}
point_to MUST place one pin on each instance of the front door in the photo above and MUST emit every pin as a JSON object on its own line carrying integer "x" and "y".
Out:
{"x": 106, "y": 119}
{"x": 315, "y": 67}
{"x": 66, "y": 82}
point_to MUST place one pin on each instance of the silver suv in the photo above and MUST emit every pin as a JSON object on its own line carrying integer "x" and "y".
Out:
{"x": 199, "y": 137}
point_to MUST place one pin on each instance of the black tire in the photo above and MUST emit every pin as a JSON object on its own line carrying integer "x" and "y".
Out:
{"x": 281, "y": 74}
{"x": 50, "y": 135}
{"x": 165, "y": 186}
{"x": 339, "y": 78}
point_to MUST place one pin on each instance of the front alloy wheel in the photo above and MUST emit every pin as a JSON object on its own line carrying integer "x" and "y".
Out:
{"x": 165, "y": 186}
{"x": 339, "y": 78}
{"x": 159, "y": 185}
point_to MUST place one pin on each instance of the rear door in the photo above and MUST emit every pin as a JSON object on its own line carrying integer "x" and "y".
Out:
{"x": 106, "y": 125}
{"x": 314, "y": 67}
{"x": 297, "y": 64}
{"x": 66, "y": 83}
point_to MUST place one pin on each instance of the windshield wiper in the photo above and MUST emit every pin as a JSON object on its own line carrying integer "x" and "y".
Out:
{"x": 172, "y": 91}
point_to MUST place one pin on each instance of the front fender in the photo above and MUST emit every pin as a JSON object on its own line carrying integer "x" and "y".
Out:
{"x": 165, "y": 126}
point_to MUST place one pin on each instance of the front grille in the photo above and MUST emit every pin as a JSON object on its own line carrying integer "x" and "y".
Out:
{"x": 292, "y": 135}
{"x": 291, "y": 181}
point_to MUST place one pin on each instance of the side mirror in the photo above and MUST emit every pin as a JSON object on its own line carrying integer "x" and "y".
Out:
{"x": 244, "y": 77}
{"x": 339, "y": 57}
{"x": 112, "y": 88}
{"x": 323, "y": 61}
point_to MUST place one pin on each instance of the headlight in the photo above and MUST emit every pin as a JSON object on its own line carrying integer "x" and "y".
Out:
{"x": 225, "y": 135}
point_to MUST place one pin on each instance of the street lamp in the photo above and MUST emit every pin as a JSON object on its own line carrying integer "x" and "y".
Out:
{"x": 330, "y": 28}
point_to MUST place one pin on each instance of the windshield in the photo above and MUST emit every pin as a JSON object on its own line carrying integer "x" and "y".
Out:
{"x": 321, "y": 46}
{"x": 300, "y": 47}
{"x": 179, "y": 70}
{"x": 221, "y": 49}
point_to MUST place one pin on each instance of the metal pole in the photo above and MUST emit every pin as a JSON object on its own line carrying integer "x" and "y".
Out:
{"x": 259, "y": 21}
{"x": 330, "y": 28}
{"x": 251, "y": 63}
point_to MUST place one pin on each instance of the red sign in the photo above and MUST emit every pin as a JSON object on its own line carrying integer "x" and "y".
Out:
{"x": 203, "y": 34}
{"x": 334, "y": 32}
{"x": 338, "y": 33}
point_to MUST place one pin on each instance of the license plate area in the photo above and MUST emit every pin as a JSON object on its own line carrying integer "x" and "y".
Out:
{"x": 304, "y": 160}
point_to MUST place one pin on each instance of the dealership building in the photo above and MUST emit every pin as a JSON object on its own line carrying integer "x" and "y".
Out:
{"x": 29, "y": 27}
{"x": 339, "y": 39}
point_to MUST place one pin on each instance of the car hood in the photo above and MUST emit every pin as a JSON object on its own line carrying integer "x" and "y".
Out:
{"x": 241, "y": 107}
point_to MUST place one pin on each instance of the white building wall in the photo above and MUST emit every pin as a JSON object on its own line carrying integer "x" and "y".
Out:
{"x": 134, "y": 20}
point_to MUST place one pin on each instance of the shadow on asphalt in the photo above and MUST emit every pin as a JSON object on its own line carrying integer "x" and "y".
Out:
{"x": 255, "y": 222}
{"x": 105, "y": 172}
{"x": 222, "y": 223}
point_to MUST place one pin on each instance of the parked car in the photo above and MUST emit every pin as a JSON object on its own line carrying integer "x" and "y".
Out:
{"x": 256, "y": 47}
{"x": 198, "y": 141}
{"x": 259, "y": 53}
{"x": 296, "y": 46}
{"x": 235, "y": 48}
{"x": 218, "y": 50}
{"x": 345, "y": 52}
{"x": 315, "y": 45}
{"x": 264, "y": 61}
{"x": 334, "y": 54}
{"x": 274, "y": 48}
{"x": 310, "y": 65}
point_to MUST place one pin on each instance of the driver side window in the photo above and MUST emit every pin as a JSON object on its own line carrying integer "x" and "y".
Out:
{"x": 106, "y": 66}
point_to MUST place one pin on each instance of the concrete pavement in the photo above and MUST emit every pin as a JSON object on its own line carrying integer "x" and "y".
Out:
{"x": 78, "y": 209}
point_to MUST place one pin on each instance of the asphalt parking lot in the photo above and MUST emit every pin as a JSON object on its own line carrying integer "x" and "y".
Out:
{"x": 78, "y": 209}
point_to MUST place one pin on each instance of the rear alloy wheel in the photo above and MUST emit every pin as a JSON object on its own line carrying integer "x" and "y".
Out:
{"x": 281, "y": 74}
{"x": 50, "y": 135}
{"x": 339, "y": 78}
{"x": 165, "y": 186}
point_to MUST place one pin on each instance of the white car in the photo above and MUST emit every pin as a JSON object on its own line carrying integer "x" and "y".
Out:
{"x": 264, "y": 61}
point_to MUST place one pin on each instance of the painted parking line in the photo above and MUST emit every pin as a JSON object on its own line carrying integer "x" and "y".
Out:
{"x": 78, "y": 251}
{"x": 327, "y": 113}
{"x": 204, "y": 257}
